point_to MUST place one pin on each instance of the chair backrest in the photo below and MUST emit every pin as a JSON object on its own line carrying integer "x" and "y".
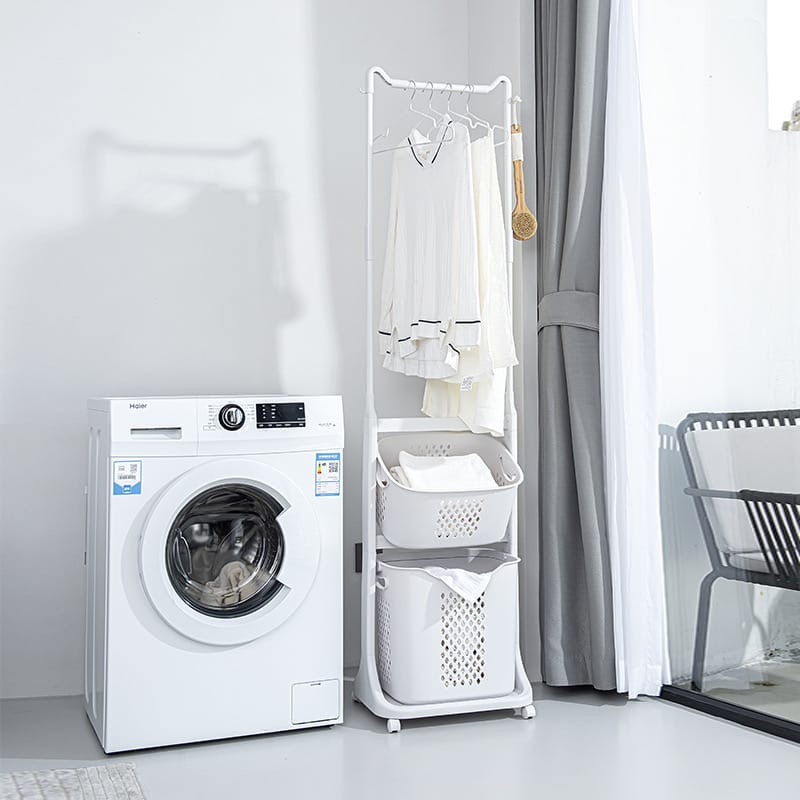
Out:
{"x": 736, "y": 451}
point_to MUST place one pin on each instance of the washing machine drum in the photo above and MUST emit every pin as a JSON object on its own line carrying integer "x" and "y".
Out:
{"x": 224, "y": 550}
{"x": 229, "y": 551}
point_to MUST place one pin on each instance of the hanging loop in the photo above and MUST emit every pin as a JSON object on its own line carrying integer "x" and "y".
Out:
{"x": 413, "y": 94}
{"x": 469, "y": 91}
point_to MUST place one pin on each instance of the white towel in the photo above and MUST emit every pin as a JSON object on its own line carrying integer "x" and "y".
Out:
{"x": 466, "y": 584}
{"x": 443, "y": 473}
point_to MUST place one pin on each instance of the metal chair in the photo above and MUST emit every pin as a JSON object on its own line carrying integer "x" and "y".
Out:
{"x": 773, "y": 517}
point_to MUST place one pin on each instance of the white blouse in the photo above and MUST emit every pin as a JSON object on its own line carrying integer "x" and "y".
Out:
{"x": 429, "y": 301}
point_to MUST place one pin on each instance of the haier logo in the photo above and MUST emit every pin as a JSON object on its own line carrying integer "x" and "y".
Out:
{"x": 137, "y": 405}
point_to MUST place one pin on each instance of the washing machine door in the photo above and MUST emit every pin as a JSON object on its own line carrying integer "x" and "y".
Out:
{"x": 229, "y": 551}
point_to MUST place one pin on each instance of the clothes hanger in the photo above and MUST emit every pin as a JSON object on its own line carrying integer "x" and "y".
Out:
{"x": 384, "y": 135}
{"x": 478, "y": 121}
{"x": 456, "y": 113}
{"x": 506, "y": 137}
{"x": 419, "y": 111}
{"x": 474, "y": 125}
{"x": 449, "y": 135}
{"x": 442, "y": 117}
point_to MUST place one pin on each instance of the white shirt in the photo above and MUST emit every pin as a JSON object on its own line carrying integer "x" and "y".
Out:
{"x": 429, "y": 301}
{"x": 480, "y": 399}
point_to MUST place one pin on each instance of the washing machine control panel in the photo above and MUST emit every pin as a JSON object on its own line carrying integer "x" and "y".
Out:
{"x": 249, "y": 421}
{"x": 280, "y": 415}
{"x": 221, "y": 425}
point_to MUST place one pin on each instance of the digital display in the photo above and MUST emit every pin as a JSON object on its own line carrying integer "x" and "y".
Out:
{"x": 280, "y": 415}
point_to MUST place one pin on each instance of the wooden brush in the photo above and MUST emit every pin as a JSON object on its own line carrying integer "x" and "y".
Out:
{"x": 523, "y": 223}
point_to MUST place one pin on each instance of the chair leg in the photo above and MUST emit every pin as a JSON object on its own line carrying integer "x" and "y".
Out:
{"x": 701, "y": 631}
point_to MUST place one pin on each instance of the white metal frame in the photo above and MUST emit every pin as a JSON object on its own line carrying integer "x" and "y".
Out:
{"x": 367, "y": 685}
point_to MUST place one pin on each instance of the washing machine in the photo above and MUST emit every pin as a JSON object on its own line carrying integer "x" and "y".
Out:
{"x": 213, "y": 567}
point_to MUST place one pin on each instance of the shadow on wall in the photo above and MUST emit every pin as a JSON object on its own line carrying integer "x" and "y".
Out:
{"x": 177, "y": 282}
{"x": 174, "y": 279}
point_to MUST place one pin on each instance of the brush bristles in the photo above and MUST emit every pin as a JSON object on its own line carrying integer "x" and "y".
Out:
{"x": 523, "y": 226}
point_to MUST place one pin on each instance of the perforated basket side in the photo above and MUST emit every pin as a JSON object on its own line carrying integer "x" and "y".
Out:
{"x": 383, "y": 623}
{"x": 380, "y": 506}
{"x": 458, "y": 518}
{"x": 429, "y": 448}
{"x": 463, "y": 630}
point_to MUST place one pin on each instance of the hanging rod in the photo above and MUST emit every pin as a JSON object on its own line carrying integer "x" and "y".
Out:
{"x": 397, "y": 83}
{"x": 431, "y": 87}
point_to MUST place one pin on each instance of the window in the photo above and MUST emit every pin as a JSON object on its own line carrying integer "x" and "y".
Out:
{"x": 783, "y": 61}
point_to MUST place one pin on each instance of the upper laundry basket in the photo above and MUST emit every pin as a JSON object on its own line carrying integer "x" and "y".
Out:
{"x": 415, "y": 518}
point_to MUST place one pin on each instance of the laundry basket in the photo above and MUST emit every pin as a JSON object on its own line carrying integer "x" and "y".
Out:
{"x": 416, "y": 519}
{"x": 432, "y": 644}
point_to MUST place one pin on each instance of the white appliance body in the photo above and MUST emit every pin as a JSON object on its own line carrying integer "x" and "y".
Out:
{"x": 178, "y": 487}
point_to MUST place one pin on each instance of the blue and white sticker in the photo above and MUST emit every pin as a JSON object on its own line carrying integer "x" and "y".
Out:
{"x": 328, "y": 476}
{"x": 127, "y": 477}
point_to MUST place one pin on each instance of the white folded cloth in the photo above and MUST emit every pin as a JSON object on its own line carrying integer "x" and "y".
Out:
{"x": 466, "y": 584}
{"x": 400, "y": 476}
{"x": 444, "y": 473}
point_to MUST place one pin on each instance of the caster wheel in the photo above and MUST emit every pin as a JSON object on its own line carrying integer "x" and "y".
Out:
{"x": 528, "y": 712}
{"x": 393, "y": 725}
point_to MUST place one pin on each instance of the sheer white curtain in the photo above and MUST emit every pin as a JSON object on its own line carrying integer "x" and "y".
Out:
{"x": 628, "y": 375}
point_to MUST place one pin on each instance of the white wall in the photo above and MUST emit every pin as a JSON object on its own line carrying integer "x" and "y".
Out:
{"x": 726, "y": 220}
{"x": 181, "y": 212}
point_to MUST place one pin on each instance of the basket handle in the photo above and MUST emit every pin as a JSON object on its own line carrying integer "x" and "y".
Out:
{"x": 381, "y": 478}
{"x": 510, "y": 478}
{"x": 381, "y": 582}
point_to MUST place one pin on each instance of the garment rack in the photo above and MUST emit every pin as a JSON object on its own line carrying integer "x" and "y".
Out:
{"x": 367, "y": 689}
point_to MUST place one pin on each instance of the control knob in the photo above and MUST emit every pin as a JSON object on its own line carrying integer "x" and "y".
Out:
{"x": 231, "y": 417}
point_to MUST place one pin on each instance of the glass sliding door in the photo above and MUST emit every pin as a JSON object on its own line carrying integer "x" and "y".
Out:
{"x": 726, "y": 225}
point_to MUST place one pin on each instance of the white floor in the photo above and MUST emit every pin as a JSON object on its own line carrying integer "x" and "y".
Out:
{"x": 582, "y": 744}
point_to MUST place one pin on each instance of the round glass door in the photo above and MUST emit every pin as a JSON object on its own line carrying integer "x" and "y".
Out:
{"x": 225, "y": 549}
{"x": 229, "y": 550}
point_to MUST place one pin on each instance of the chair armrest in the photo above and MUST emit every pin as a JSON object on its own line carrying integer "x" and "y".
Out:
{"x": 775, "y": 523}
{"x": 747, "y": 495}
{"x": 716, "y": 493}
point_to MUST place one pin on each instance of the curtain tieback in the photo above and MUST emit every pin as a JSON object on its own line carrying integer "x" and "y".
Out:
{"x": 577, "y": 309}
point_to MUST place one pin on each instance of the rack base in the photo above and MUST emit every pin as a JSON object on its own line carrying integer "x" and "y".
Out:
{"x": 368, "y": 692}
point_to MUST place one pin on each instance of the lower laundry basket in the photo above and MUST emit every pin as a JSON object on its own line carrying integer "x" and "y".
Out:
{"x": 432, "y": 644}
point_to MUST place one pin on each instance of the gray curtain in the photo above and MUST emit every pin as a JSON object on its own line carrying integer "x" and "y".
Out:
{"x": 575, "y": 581}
